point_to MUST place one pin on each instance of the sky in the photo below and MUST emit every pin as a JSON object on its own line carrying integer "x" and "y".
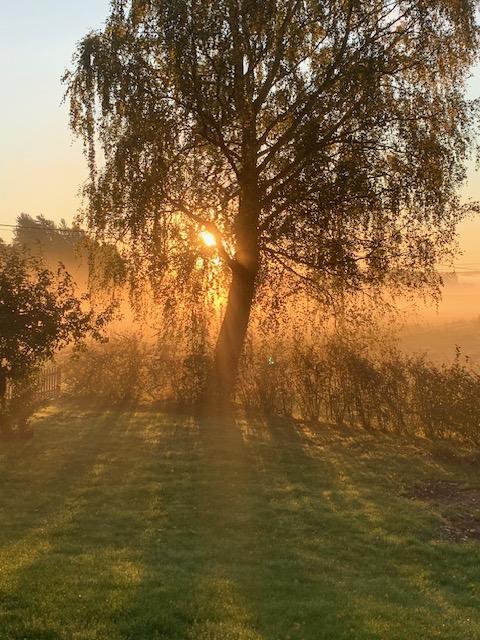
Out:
{"x": 41, "y": 166}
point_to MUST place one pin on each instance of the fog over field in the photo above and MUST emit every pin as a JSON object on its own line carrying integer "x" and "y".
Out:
{"x": 438, "y": 330}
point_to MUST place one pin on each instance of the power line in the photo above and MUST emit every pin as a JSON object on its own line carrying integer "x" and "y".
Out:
{"x": 44, "y": 229}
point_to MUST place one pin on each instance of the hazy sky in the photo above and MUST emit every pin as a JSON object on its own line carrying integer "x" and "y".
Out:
{"x": 41, "y": 168}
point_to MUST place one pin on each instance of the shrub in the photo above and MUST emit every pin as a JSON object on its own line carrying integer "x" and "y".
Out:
{"x": 310, "y": 381}
{"x": 340, "y": 378}
{"x": 446, "y": 399}
{"x": 265, "y": 383}
{"x": 111, "y": 373}
{"x": 39, "y": 314}
{"x": 352, "y": 382}
{"x": 19, "y": 406}
{"x": 395, "y": 412}
{"x": 190, "y": 379}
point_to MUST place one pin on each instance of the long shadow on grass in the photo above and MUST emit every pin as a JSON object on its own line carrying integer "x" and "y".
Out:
{"x": 268, "y": 535}
{"x": 221, "y": 530}
{"x": 38, "y": 476}
{"x": 336, "y": 555}
{"x": 185, "y": 591}
{"x": 271, "y": 526}
{"x": 48, "y": 484}
{"x": 254, "y": 558}
{"x": 122, "y": 561}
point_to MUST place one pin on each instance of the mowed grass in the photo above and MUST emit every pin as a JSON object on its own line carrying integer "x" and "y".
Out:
{"x": 138, "y": 525}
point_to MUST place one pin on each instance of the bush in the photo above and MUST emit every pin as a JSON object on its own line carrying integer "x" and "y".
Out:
{"x": 311, "y": 381}
{"x": 19, "y": 407}
{"x": 264, "y": 383}
{"x": 351, "y": 382}
{"x": 395, "y": 411}
{"x": 446, "y": 399}
{"x": 190, "y": 381}
{"x": 113, "y": 373}
{"x": 341, "y": 379}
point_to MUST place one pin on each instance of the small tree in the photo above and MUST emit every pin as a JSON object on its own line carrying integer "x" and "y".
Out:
{"x": 319, "y": 141}
{"x": 39, "y": 313}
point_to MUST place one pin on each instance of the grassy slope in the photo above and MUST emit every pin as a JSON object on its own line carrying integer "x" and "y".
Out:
{"x": 141, "y": 526}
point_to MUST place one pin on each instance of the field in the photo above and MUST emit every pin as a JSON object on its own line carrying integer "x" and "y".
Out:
{"x": 139, "y": 525}
{"x": 440, "y": 340}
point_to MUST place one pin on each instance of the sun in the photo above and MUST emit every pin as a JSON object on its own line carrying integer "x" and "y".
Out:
{"x": 208, "y": 238}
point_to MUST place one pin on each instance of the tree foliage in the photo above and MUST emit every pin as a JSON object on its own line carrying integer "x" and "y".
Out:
{"x": 356, "y": 113}
{"x": 39, "y": 313}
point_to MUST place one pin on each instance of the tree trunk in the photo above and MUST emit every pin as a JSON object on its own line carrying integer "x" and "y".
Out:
{"x": 4, "y": 426}
{"x": 234, "y": 329}
{"x": 244, "y": 266}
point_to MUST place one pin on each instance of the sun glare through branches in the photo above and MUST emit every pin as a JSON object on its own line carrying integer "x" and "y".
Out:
{"x": 208, "y": 239}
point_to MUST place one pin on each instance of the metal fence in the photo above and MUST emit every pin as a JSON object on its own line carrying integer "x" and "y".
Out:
{"x": 48, "y": 384}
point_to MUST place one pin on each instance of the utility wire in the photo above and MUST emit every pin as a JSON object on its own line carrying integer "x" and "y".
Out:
{"x": 44, "y": 229}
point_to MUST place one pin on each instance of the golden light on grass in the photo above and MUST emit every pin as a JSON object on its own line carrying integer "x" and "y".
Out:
{"x": 208, "y": 238}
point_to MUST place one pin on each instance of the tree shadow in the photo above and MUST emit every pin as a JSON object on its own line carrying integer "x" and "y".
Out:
{"x": 46, "y": 485}
{"x": 319, "y": 551}
{"x": 219, "y": 528}
{"x": 50, "y": 471}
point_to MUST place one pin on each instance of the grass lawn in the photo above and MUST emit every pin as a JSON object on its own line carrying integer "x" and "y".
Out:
{"x": 138, "y": 525}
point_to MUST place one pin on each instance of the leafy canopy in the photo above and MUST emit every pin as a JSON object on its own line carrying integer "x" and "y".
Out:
{"x": 345, "y": 121}
{"x": 39, "y": 313}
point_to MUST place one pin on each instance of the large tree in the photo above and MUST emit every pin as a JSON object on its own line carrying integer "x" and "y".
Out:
{"x": 322, "y": 140}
